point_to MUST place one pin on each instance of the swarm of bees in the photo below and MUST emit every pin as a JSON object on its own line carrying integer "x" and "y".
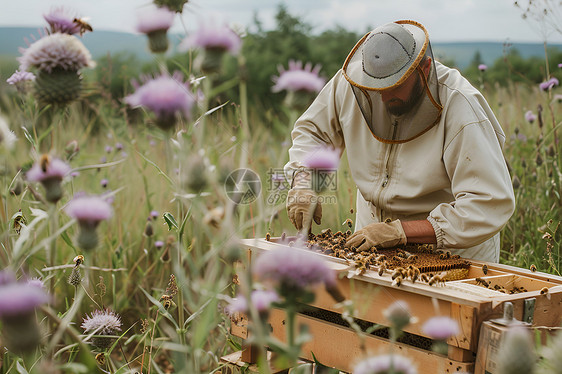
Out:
{"x": 414, "y": 263}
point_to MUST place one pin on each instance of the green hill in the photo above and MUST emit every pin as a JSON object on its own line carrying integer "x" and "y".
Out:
{"x": 100, "y": 43}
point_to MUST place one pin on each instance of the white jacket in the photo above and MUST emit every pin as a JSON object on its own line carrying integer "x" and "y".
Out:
{"x": 454, "y": 175}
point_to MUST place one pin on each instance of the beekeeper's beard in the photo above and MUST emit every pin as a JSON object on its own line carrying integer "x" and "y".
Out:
{"x": 400, "y": 107}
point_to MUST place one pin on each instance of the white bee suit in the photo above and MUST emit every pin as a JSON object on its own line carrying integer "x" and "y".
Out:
{"x": 454, "y": 174}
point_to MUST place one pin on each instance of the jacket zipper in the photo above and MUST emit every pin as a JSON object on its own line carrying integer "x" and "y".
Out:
{"x": 386, "y": 178}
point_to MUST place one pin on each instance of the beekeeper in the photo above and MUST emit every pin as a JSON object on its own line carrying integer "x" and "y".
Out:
{"x": 423, "y": 146}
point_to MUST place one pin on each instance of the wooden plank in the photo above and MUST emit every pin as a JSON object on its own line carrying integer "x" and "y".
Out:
{"x": 465, "y": 316}
{"x": 340, "y": 347}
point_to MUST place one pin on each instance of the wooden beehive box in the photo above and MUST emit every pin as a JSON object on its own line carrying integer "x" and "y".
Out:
{"x": 470, "y": 304}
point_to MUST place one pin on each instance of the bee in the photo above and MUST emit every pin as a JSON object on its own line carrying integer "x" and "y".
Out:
{"x": 485, "y": 269}
{"x": 481, "y": 282}
{"x": 348, "y": 222}
{"x": 397, "y": 281}
{"x": 413, "y": 273}
{"x": 78, "y": 260}
{"x": 397, "y": 258}
{"x": 412, "y": 258}
{"x": 398, "y": 272}
{"x": 533, "y": 268}
{"x": 167, "y": 301}
{"x": 382, "y": 268}
{"x": 455, "y": 257}
{"x": 268, "y": 237}
{"x": 544, "y": 290}
{"x": 424, "y": 277}
{"x": 84, "y": 26}
{"x": 44, "y": 162}
{"x": 19, "y": 221}
{"x": 436, "y": 279}
{"x": 100, "y": 358}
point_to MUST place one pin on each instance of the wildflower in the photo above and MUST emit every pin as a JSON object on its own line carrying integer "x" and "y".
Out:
{"x": 102, "y": 324}
{"x": 119, "y": 146}
{"x": 557, "y": 98}
{"x": 517, "y": 352}
{"x": 104, "y": 183}
{"x": 22, "y": 80}
{"x": 155, "y": 22}
{"x": 215, "y": 41}
{"x": 89, "y": 211}
{"x": 108, "y": 149}
{"x": 58, "y": 58}
{"x": 384, "y": 364}
{"x": 159, "y": 244}
{"x": 50, "y": 172}
{"x": 298, "y": 78}
{"x": 294, "y": 271}
{"x": 18, "y": 301}
{"x": 300, "y": 83}
{"x": 166, "y": 96}
{"x": 530, "y": 116}
{"x": 321, "y": 162}
{"x": 440, "y": 328}
{"x": 547, "y": 85}
{"x": 516, "y": 182}
{"x": 62, "y": 21}
{"x": 36, "y": 282}
{"x": 154, "y": 214}
{"x": 7, "y": 137}
{"x": 261, "y": 301}
{"x": 482, "y": 67}
{"x": 173, "y": 5}
{"x": 398, "y": 314}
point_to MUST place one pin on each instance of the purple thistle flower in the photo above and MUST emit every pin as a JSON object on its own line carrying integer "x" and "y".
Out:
{"x": 17, "y": 298}
{"x": 152, "y": 19}
{"x": 557, "y": 98}
{"x": 56, "y": 51}
{"x": 104, "y": 183}
{"x": 298, "y": 78}
{"x": 154, "y": 214}
{"x": 119, "y": 146}
{"x": 36, "y": 282}
{"x": 61, "y": 20}
{"x": 89, "y": 209}
{"x": 530, "y": 116}
{"x": 293, "y": 267}
{"x": 108, "y": 149}
{"x": 261, "y": 300}
{"x": 166, "y": 96}
{"x": 440, "y": 328}
{"x": 322, "y": 158}
{"x": 159, "y": 244}
{"x": 560, "y": 65}
{"x": 102, "y": 322}
{"x": 547, "y": 85}
{"x": 209, "y": 36}
{"x": 22, "y": 80}
{"x": 384, "y": 364}
{"x": 50, "y": 173}
{"x": 482, "y": 67}
{"x": 55, "y": 169}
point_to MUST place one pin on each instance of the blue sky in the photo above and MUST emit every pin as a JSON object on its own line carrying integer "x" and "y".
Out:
{"x": 446, "y": 20}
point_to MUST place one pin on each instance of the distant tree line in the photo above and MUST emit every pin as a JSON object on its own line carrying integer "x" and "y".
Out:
{"x": 292, "y": 39}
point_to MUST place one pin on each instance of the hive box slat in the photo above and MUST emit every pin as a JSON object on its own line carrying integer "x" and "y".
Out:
{"x": 469, "y": 304}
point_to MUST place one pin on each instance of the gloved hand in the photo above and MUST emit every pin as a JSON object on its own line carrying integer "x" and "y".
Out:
{"x": 380, "y": 234}
{"x": 301, "y": 209}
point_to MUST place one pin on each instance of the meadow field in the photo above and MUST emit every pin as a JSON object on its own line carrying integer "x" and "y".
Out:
{"x": 120, "y": 218}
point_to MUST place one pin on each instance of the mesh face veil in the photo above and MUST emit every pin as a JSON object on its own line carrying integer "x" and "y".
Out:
{"x": 392, "y": 73}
